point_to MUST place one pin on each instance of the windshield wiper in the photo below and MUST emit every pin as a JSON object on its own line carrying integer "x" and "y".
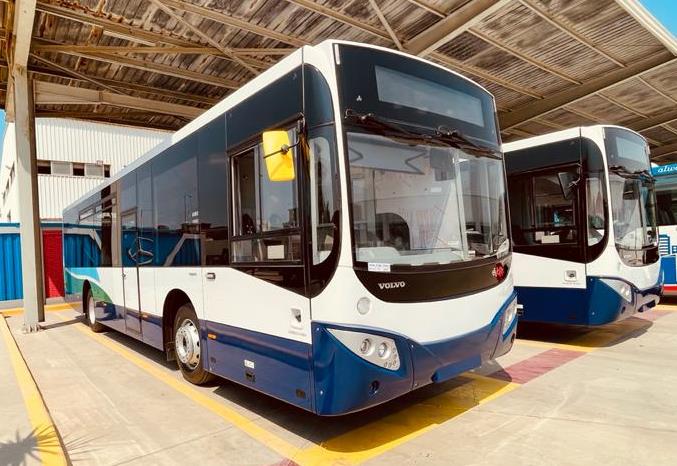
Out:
{"x": 636, "y": 174}
{"x": 441, "y": 135}
{"x": 456, "y": 139}
{"x": 374, "y": 122}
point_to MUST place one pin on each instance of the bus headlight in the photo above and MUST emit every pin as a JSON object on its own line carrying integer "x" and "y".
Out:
{"x": 376, "y": 349}
{"x": 509, "y": 316}
{"x": 619, "y": 287}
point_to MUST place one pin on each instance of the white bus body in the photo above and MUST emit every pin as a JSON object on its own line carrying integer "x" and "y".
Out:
{"x": 381, "y": 265}
{"x": 582, "y": 209}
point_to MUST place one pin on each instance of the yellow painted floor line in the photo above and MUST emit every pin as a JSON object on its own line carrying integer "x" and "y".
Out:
{"x": 247, "y": 426}
{"x": 48, "y": 308}
{"x": 375, "y": 438}
{"x": 48, "y": 445}
{"x": 548, "y": 345}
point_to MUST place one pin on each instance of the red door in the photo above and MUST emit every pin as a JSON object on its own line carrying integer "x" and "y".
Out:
{"x": 52, "y": 256}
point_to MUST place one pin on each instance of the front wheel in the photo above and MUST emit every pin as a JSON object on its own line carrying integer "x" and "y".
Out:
{"x": 188, "y": 346}
{"x": 90, "y": 313}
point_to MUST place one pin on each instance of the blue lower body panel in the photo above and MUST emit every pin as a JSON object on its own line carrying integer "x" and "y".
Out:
{"x": 596, "y": 304}
{"x": 344, "y": 382}
{"x": 327, "y": 378}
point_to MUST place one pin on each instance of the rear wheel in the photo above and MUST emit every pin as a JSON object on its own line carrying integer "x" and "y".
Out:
{"x": 90, "y": 313}
{"x": 188, "y": 346}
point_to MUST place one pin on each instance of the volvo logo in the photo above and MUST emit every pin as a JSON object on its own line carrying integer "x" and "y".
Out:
{"x": 391, "y": 285}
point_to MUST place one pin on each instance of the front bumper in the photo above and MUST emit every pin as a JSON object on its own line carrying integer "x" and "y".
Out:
{"x": 344, "y": 382}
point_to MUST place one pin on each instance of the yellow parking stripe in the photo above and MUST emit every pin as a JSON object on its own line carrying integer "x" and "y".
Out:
{"x": 547, "y": 345}
{"x": 49, "y": 448}
{"x": 375, "y": 438}
{"x": 258, "y": 433}
{"x": 48, "y": 308}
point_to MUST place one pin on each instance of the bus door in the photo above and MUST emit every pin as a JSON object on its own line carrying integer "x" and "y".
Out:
{"x": 130, "y": 272}
{"x": 260, "y": 298}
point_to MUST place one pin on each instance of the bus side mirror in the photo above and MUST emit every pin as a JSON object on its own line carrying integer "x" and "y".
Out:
{"x": 277, "y": 152}
{"x": 567, "y": 183}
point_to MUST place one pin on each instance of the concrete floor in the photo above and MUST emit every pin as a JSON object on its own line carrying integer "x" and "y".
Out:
{"x": 562, "y": 396}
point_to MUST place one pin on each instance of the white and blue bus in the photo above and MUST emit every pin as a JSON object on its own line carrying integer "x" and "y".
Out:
{"x": 666, "y": 211}
{"x": 334, "y": 233}
{"x": 582, "y": 212}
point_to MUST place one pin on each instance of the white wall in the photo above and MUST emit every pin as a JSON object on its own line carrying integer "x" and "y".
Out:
{"x": 73, "y": 141}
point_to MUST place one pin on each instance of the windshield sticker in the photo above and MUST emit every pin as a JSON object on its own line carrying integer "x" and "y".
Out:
{"x": 377, "y": 267}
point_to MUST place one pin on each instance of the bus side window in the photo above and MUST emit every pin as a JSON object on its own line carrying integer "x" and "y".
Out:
{"x": 265, "y": 213}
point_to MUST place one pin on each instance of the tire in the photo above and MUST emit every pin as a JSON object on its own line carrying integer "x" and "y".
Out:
{"x": 187, "y": 346}
{"x": 90, "y": 314}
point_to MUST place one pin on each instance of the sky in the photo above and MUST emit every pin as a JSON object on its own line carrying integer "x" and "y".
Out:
{"x": 663, "y": 10}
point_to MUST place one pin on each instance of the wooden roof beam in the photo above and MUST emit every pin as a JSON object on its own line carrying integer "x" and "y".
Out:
{"x": 121, "y": 118}
{"x": 122, "y": 85}
{"x": 341, "y": 17}
{"x": 58, "y": 94}
{"x": 233, "y": 22}
{"x": 428, "y": 8}
{"x": 133, "y": 33}
{"x": 567, "y": 30}
{"x": 76, "y": 74}
{"x": 642, "y": 124}
{"x": 225, "y": 50}
{"x": 159, "y": 68}
{"x": 663, "y": 151}
{"x": 573, "y": 94}
{"x": 453, "y": 25}
{"x": 385, "y": 24}
{"x": 524, "y": 57}
{"x": 18, "y": 47}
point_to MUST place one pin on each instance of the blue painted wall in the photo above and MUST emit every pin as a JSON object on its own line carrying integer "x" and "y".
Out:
{"x": 11, "y": 284}
{"x": 10, "y": 263}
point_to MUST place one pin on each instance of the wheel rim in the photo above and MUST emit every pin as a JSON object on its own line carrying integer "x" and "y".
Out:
{"x": 187, "y": 344}
{"x": 91, "y": 310}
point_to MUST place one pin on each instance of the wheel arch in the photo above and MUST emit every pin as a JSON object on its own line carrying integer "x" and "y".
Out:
{"x": 86, "y": 288}
{"x": 173, "y": 301}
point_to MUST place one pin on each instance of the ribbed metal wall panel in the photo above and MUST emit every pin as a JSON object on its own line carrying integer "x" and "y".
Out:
{"x": 73, "y": 141}
{"x": 81, "y": 141}
{"x": 10, "y": 263}
{"x": 56, "y": 192}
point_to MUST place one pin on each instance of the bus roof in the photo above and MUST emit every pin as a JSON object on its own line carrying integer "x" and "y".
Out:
{"x": 555, "y": 136}
{"x": 248, "y": 89}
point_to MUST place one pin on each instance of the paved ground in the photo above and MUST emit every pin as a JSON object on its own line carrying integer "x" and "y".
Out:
{"x": 562, "y": 396}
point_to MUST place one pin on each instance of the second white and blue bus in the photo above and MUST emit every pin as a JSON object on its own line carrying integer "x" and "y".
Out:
{"x": 666, "y": 211}
{"x": 334, "y": 233}
{"x": 582, "y": 209}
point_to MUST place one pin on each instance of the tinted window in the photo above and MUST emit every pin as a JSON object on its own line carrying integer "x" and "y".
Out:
{"x": 145, "y": 221}
{"x": 408, "y": 90}
{"x": 319, "y": 108}
{"x": 213, "y": 190}
{"x": 540, "y": 213}
{"x": 176, "y": 205}
{"x": 128, "y": 219}
{"x": 269, "y": 107}
{"x": 666, "y": 199}
{"x": 265, "y": 209}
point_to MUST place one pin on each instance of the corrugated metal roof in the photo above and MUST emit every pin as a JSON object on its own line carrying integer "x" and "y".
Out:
{"x": 549, "y": 63}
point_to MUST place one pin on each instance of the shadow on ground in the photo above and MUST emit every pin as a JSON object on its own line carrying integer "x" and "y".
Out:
{"x": 20, "y": 449}
{"x": 590, "y": 337}
{"x": 373, "y": 428}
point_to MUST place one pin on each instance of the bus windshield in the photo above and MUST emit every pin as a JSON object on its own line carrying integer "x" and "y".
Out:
{"x": 632, "y": 190}
{"x": 419, "y": 203}
{"x": 425, "y": 168}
